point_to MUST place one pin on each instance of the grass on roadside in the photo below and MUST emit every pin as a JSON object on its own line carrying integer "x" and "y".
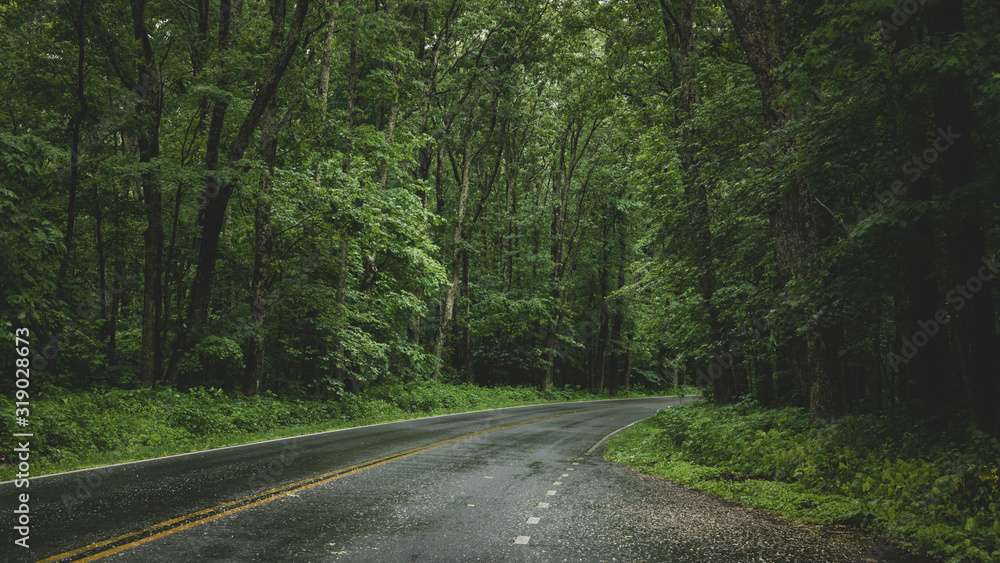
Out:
{"x": 75, "y": 430}
{"x": 935, "y": 492}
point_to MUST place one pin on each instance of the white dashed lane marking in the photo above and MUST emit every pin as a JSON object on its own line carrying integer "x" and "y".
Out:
{"x": 523, "y": 540}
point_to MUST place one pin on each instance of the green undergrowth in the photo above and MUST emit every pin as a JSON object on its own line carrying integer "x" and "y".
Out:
{"x": 74, "y": 429}
{"x": 932, "y": 492}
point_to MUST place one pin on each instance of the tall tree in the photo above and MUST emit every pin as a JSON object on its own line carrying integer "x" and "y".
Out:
{"x": 218, "y": 190}
{"x": 146, "y": 82}
{"x": 975, "y": 327}
{"x": 757, "y": 24}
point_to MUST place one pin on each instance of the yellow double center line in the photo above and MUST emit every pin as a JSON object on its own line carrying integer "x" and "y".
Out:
{"x": 114, "y": 545}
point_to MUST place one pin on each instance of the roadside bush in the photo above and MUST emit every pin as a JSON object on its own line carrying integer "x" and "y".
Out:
{"x": 202, "y": 413}
{"x": 356, "y": 407}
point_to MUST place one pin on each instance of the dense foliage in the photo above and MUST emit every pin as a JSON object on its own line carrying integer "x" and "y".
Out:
{"x": 789, "y": 199}
{"x": 936, "y": 491}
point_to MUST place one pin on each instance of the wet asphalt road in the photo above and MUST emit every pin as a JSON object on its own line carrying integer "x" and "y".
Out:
{"x": 520, "y": 484}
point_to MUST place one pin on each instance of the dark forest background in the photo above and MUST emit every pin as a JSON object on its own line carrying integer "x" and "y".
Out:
{"x": 792, "y": 200}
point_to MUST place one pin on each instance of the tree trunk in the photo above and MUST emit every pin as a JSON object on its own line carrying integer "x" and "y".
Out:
{"x": 253, "y": 379}
{"x": 103, "y": 293}
{"x": 764, "y": 387}
{"x": 149, "y": 108}
{"x": 326, "y": 61}
{"x": 573, "y": 145}
{"x": 550, "y": 350}
{"x": 975, "y": 325}
{"x": 600, "y": 359}
{"x": 215, "y": 197}
{"x": 679, "y": 24}
{"x": 74, "y": 152}
{"x": 506, "y": 243}
{"x": 344, "y": 254}
{"x": 628, "y": 364}
{"x": 259, "y": 308}
{"x": 463, "y": 196}
{"x": 616, "y": 355}
{"x": 470, "y": 376}
{"x": 792, "y": 224}
{"x": 921, "y": 263}
{"x": 217, "y": 193}
{"x": 877, "y": 385}
{"x": 112, "y": 313}
{"x": 352, "y": 89}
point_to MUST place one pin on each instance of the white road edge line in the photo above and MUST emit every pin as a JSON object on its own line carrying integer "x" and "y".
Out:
{"x": 606, "y": 438}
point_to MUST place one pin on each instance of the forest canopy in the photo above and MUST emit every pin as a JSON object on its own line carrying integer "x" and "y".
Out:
{"x": 790, "y": 200}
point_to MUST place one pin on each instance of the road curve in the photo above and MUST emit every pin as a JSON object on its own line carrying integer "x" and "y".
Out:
{"x": 516, "y": 484}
